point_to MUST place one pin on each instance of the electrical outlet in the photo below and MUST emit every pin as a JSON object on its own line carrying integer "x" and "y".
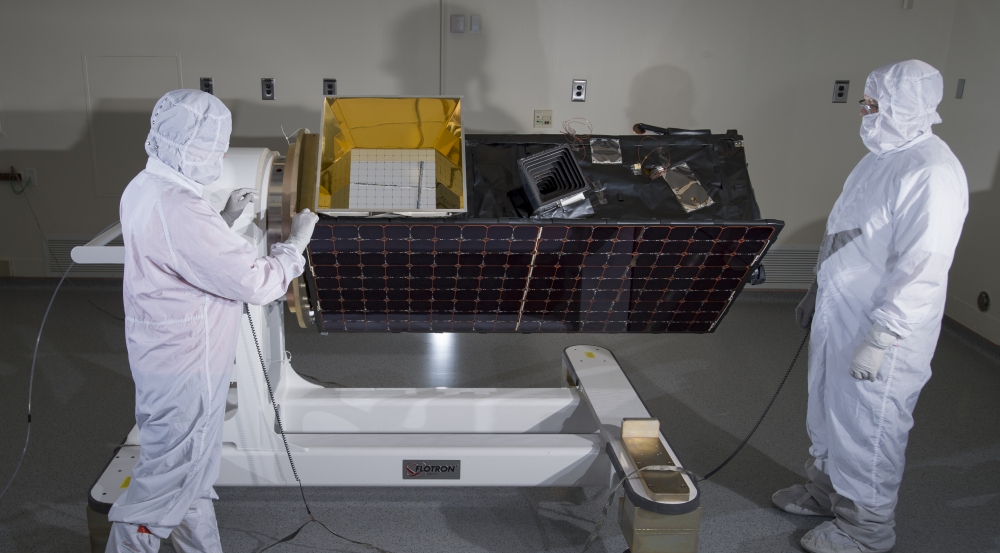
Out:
{"x": 458, "y": 23}
{"x": 475, "y": 24}
{"x": 840, "y": 89}
{"x": 267, "y": 89}
{"x": 208, "y": 85}
{"x": 543, "y": 118}
{"x": 329, "y": 87}
{"x": 579, "y": 93}
{"x": 29, "y": 177}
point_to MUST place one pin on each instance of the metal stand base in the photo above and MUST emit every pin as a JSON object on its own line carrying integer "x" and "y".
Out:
{"x": 440, "y": 437}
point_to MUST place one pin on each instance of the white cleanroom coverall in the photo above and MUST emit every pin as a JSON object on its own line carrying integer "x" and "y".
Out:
{"x": 889, "y": 243}
{"x": 186, "y": 276}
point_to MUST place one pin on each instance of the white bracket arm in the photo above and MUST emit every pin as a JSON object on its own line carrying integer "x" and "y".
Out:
{"x": 97, "y": 251}
{"x": 612, "y": 398}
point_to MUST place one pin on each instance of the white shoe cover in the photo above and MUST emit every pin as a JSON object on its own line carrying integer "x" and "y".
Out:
{"x": 829, "y": 538}
{"x": 199, "y": 531}
{"x": 798, "y": 501}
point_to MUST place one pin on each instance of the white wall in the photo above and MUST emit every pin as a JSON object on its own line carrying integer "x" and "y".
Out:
{"x": 764, "y": 67}
{"x": 970, "y": 128}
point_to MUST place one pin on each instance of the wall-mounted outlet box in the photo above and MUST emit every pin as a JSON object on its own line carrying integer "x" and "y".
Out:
{"x": 579, "y": 93}
{"x": 208, "y": 85}
{"x": 543, "y": 118}
{"x": 329, "y": 87}
{"x": 29, "y": 177}
{"x": 23, "y": 178}
{"x": 840, "y": 89}
{"x": 458, "y": 23}
{"x": 267, "y": 88}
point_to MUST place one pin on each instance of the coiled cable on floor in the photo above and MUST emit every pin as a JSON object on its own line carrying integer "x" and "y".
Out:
{"x": 288, "y": 451}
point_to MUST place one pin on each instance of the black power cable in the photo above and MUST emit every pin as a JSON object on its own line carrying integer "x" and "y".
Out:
{"x": 281, "y": 428}
{"x": 766, "y": 409}
{"x": 604, "y": 513}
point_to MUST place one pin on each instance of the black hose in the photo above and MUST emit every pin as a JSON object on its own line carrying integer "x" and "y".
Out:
{"x": 281, "y": 429}
{"x": 766, "y": 409}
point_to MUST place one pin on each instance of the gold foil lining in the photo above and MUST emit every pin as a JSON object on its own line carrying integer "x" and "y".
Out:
{"x": 390, "y": 123}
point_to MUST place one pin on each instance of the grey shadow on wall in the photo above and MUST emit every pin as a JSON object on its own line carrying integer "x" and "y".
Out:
{"x": 413, "y": 62}
{"x": 812, "y": 234}
{"x": 103, "y": 159}
{"x": 662, "y": 95}
{"x": 119, "y": 135}
{"x": 79, "y": 186}
{"x": 266, "y": 115}
{"x": 71, "y": 181}
{"x": 464, "y": 74}
{"x": 118, "y": 131}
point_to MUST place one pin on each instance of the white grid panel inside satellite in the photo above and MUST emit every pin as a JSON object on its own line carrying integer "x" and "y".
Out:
{"x": 392, "y": 179}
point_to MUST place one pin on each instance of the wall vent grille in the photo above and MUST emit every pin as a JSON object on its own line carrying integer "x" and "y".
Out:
{"x": 789, "y": 268}
{"x": 57, "y": 250}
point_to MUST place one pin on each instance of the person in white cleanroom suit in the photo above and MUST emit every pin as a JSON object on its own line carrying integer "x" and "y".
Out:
{"x": 186, "y": 277}
{"x": 876, "y": 310}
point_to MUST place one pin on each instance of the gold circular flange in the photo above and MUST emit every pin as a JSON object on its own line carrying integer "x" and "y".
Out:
{"x": 298, "y": 302}
{"x": 297, "y": 295}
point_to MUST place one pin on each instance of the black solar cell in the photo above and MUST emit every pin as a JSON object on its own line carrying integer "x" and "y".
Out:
{"x": 475, "y": 276}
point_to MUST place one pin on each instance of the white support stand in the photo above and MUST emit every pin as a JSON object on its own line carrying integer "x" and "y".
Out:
{"x": 362, "y": 436}
{"x": 366, "y": 436}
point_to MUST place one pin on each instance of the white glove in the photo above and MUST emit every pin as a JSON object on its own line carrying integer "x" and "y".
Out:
{"x": 807, "y": 308}
{"x": 238, "y": 200}
{"x": 868, "y": 356}
{"x": 303, "y": 223}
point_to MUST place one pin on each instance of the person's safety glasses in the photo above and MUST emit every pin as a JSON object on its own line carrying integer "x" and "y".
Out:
{"x": 868, "y": 107}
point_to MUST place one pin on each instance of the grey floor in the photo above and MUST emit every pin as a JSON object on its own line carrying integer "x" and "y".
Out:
{"x": 708, "y": 390}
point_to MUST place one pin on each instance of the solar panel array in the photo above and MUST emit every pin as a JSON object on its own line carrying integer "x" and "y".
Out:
{"x": 495, "y": 277}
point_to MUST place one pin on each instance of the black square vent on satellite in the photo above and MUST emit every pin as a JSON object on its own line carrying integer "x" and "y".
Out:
{"x": 642, "y": 262}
